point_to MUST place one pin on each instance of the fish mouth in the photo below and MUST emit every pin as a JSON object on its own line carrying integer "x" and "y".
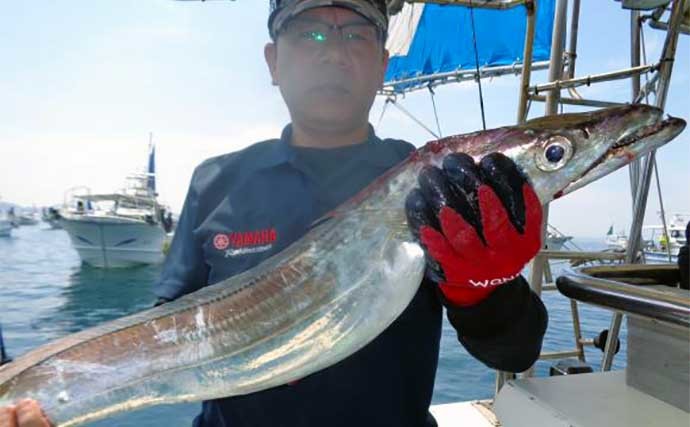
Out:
{"x": 638, "y": 134}
{"x": 637, "y": 142}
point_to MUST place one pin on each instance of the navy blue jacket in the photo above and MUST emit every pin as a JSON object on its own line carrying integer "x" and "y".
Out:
{"x": 245, "y": 206}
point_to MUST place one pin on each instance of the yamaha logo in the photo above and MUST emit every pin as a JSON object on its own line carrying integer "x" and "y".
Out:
{"x": 245, "y": 242}
{"x": 221, "y": 242}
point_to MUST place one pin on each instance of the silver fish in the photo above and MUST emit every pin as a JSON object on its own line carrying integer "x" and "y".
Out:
{"x": 321, "y": 299}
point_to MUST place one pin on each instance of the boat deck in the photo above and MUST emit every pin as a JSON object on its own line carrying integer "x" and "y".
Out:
{"x": 465, "y": 414}
{"x": 583, "y": 400}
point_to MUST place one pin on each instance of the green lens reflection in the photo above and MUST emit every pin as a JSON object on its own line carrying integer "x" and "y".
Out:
{"x": 317, "y": 36}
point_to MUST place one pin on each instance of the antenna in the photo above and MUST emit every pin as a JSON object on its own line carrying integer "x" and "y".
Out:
{"x": 151, "y": 171}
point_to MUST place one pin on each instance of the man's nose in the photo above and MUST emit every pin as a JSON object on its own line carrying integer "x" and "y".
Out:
{"x": 335, "y": 51}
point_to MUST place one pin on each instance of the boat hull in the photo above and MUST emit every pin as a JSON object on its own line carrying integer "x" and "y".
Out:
{"x": 115, "y": 243}
{"x": 5, "y": 228}
{"x": 54, "y": 224}
{"x": 655, "y": 257}
{"x": 27, "y": 220}
{"x": 556, "y": 243}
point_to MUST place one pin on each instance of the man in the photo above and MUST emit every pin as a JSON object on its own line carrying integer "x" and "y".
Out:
{"x": 480, "y": 224}
{"x": 4, "y": 358}
{"x": 684, "y": 260}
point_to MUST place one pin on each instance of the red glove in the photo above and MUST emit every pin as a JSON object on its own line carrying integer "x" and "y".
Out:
{"x": 479, "y": 224}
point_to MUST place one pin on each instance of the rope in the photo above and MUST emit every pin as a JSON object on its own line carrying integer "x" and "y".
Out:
{"x": 433, "y": 102}
{"x": 476, "y": 63}
{"x": 383, "y": 111}
{"x": 407, "y": 113}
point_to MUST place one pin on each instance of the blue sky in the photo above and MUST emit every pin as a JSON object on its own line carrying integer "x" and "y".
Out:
{"x": 83, "y": 82}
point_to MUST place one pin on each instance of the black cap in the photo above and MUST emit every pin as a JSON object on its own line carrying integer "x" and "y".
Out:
{"x": 283, "y": 10}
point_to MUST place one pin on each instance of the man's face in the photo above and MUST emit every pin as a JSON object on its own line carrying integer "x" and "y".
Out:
{"x": 328, "y": 75}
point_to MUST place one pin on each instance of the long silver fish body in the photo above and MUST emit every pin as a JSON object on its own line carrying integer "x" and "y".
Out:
{"x": 317, "y": 302}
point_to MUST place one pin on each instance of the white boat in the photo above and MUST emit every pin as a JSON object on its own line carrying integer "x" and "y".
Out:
{"x": 114, "y": 241}
{"x": 5, "y": 225}
{"x": 19, "y": 216}
{"x": 660, "y": 246}
{"x": 6, "y": 220}
{"x": 616, "y": 241}
{"x": 51, "y": 216}
{"x": 555, "y": 240}
{"x": 12, "y": 217}
{"x": 121, "y": 229}
{"x": 27, "y": 217}
{"x": 655, "y": 246}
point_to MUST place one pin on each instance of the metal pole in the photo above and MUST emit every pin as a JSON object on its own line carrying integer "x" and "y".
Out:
{"x": 556, "y": 61}
{"x": 611, "y": 341}
{"x": 485, "y": 4}
{"x": 635, "y": 49}
{"x": 666, "y": 67}
{"x": 531, "y": 10}
{"x": 580, "y": 101}
{"x": 577, "y": 330}
{"x": 572, "y": 47}
{"x": 555, "y": 69}
{"x": 634, "y": 168}
{"x": 572, "y": 57}
{"x": 418, "y": 83}
{"x": 594, "y": 78}
{"x": 669, "y": 54}
{"x": 555, "y": 73}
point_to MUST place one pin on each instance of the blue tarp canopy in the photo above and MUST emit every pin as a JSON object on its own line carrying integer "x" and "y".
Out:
{"x": 429, "y": 39}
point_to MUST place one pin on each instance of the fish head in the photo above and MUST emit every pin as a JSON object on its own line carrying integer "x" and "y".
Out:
{"x": 562, "y": 153}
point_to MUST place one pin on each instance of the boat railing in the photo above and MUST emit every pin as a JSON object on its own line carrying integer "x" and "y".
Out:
{"x": 627, "y": 289}
{"x": 135, "y": 200}
{"x": 139, "y": 195}
{"x": 72, "y": 196}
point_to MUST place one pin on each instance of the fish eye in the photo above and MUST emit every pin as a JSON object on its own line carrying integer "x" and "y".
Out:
{"x": 554, "y": 154}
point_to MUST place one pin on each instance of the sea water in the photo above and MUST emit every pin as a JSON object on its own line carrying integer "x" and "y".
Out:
{"x": 46, "y": 293}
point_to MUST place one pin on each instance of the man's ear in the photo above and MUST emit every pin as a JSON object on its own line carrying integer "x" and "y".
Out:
{"x": 271, "y": 57}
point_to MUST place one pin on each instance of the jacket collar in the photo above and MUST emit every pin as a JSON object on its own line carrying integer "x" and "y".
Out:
{"x": 282, "y": 151}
